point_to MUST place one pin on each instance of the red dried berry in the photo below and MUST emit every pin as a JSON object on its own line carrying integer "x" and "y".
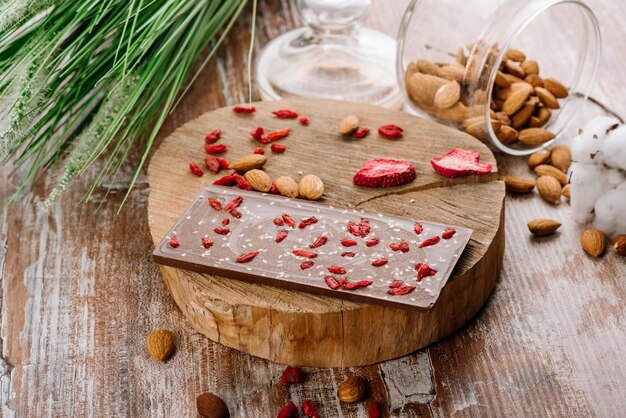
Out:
{"x": 380, "y": 262}
{"x": 292, "y": 374}
{"x": 384, "y": 173}
{"x": 348, "y": 254}
{"x": 259, "y": 135}
{"x": 354, "y": 229}
{"x": 332, "y": 282}
{"x": 364, "y": 227}
{"x": 278, "y": 222}
{"x": 213, "y": 136}
{"x": 418, "y": 228}
{"x": 396, "y": 284}
{"x": 459, "y": 162}
{"x": 306, "y": 222}
{"x": 216, "y": 149}
{"x": 195, "y": 169}
{"x": 278, "y": 148}
{"x": 356, "y": 285}
{"x": 281, "y": 235}
{"x": 242, "y": 183}
{"x": 309, "y": 409}
{"x": 215, "y": 204}
{"x": 288, "y": 411}
{"x": 225, "y": 221}
{"x": 448, "y": 233}
{"x": 424, "y": 270}
{"x": 404, "y": 290}
{"x": 390, "y": 131}
{"x": 207, "y": 242}
{"x": 227, "y": 180}
{"x": 305, "y": 253}
{"x": 372, "y": 242}
{"x": 337, "y": 270}
{"x": 212, "y": 164}
{"x": 174, "y": 242}
{"x": 428, "y": 242}
{"x": 303, "y": 120}
{"x": 224, "y": 164}
{"x": 394, "y": 246}
{"x": 347, "y": 242}
{"x": 234, "y": 203}
{"x": 276, "y": 135}
{"x": 289, "y": 220}
{"x": 285, "y": 114}
{"x": 259, "y": 151}
{"x": 274, "y": 189}
{"x": 374, "y": 410}
{"x": 244, "y": 109}
{"x": 306, "y": 264}
{"x": 342, "y": 280}
{"x": 221, "y": 231}
{"x": 404, "y": 246}
{"x": 235, "y": 213}
{"x": 247, "y": 257}
{"x": 319, "y": 242}
{"x": 361, "y": 133}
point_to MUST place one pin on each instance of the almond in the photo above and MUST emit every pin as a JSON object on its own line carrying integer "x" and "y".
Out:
{"x": 501, "y": 80}
{"x": 427, "y": 67}
{"x": 547, "y": 98}
{"x": 211, "y": 406}
{"x": 555, "y": 87}
{"x": 535, "y": 136}
{"x": 544, "y": 114}
{"x": 248, "y": 162}
{"x": 461, "y": 58}
{"x": 311, "y": 187}
{"x": 515, "y": 55}
{"x": 530, "y": 67}
{"x": 160, "y": 344}
{"x": 514, "y": 69}
{"x": 456, "y": 113}
{"x": 507, "y": 135}
{"x": 619, "y": 244}
{"x": 542, "y": 227}
{"x": 422, "y": 88}
{"x": 538, "y": 158}
{"x": 566, "y": 192}
{"x": 452, "y": 72}
{"x": 550, "y": 189}
{"x": 519, "y": 184}
{"x": 503, "y": 118}
{"x": 286, "y": 186}
{"x": 259, "y": 180}
{"x": 352, "y": 390}
{"x": 516, "y": 99}
{"x": 348, "y": 125}
{"x": 561, "y": 157}
{"x": 520, "y": 119}
{"x": 447, "y": 95}
{"x": 479, "y": 130}
{"x": 534, "y": 80}
{"x": 593, "y": 242}
{"x": 548, "y": 170}
{"x": 534, "y": 122}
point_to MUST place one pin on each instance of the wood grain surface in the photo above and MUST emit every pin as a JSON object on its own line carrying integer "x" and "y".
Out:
{"x": 79, "y": 294}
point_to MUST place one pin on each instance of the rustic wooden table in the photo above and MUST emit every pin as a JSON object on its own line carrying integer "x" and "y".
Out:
{"x": 79, "y": 293}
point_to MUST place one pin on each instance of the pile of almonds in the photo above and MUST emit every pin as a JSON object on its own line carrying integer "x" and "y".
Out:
{"x": 521, "y": 103}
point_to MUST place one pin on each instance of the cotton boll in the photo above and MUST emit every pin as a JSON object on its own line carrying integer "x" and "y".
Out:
{"x": 586, "y": 146}
{"x": 610, "y": 211}
{"x": 613, "y": 148}
{"x": 588, "y": 182}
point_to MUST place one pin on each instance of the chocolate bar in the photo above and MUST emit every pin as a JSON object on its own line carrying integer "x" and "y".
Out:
{"x": 314, "y": 247}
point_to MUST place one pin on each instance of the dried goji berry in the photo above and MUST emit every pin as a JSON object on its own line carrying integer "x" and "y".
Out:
{"x": 288, "y": 411}
{"x": 235, "y": 213}
{"x": 361, "y": 133}
{"x": 372, "y": 242}
{"x": 215, "y": 204}
{"x": 374, "y": 410}
{"x": 306, "y": 264}
{"x": 234, "y": 203}
{"x": 224, "y": 164}
{"x": 221, "y": 231}
{"x": 348, "y": 254}
{"x": 404, "y": 246}
{"x": 424, "y": 270}
{"x": 396, "y": 284}
{"x": 174, "y": 242}
{"x": 259, "y": 151}
{"x": 390, "y": 131}
{"x": 242, "y": 183}
{"x": 212, "y": 137}
{"x": 259, "y": 135}
{"x": 216, "y": 149}
{"x": 244, "y": 109}
{"x": 309, "y": 409}
{"x": 418, "y": 228}
{"x": 337, "y": 270}
{"x": 306, "y": 222}
{"x": 278, "y": 148}
{"x": 364, "y": 227}
{"x": 289, "y": 220}
{"x": 276, "y": 135}
{"x": 274, "y": 189}
{"x": 356, "y": 285}
{"x": 225, "y": 221}
{"x": 303, "y": 120}
{"x": 212, "y": 164}
{"x": 342, "y": 280}
{"x": 305, "y": 253}
{"x": 281, "y": 235}
{"x": 319, "y": 242}
{"x": 347, "y": 242}
{"x": 354, "y": 229}
{"x": 195, "y": 169}
{"x": 278, "y": 222}
{"x": 428, "y": 242}
{"x": 394, "y": 246}
{"x": 401, "y": 290}
{"x": 285, "y": 114}
{"x": 332, "y": 282}
{"x": 380, "y": 262}
{"x": 292, "y": 374}
{"x": 247, "y": 257}
{"x": 448, "y": 233}
{"x": 207, "y": 242}
{"x": 227, "y": 180}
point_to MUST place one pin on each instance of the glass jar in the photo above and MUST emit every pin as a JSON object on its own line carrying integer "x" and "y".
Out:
{"x": 513, "y": 73}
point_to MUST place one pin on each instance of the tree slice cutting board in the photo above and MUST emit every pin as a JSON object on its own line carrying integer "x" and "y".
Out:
{"x": 294, "y": 327}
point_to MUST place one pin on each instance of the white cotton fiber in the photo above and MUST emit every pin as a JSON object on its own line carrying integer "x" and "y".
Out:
{"x": 614, "y": 148}
{"x": 586, "y": 146}
{"x": 610, "y": 211}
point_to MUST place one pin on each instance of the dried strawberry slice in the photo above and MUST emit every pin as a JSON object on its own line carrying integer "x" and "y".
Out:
{"x": 337, "y": 270}
{"x": 319, "y": 242}
{"x": 459, "y": 162}
{"x": 212, "y": 164}
{"x": 247, "y": 257}
{"x": 174, "y": 242}
{"x": 306, "y": 222}
{"x": 309, "y": 409}
{"x": 233, "y": 204}
{"x": 288, "y": 411}
{"x": 292, "y": 374}
{"x": 215, "y": 204}
{"x": 305, "y": 253}
{"x": 354, "y": 229}
{"x": 372, "y": 242}
{"x": 281, "y": 235}
{"x": 404, "y": 290}
{"x": 207, "y": 242}
{"x": 418, "y": 228}
{"x": 227, "y": 180}
{"x": 306, "y": 264}
{"x": 384, "y": 173}
{"x": 289, "y": 220}
{"x": 356, "y": 285}
{"x": 430, "y": 241}
{"x": 347, "y": 242}
{"x": 448, "y": 233}
{"x": 380, "y": 262}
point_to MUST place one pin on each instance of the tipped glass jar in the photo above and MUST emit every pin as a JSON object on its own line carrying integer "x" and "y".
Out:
{"x": 513, "y": 73}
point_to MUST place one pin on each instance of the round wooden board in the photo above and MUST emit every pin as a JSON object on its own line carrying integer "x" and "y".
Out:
{"x": 293, "y": 327}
